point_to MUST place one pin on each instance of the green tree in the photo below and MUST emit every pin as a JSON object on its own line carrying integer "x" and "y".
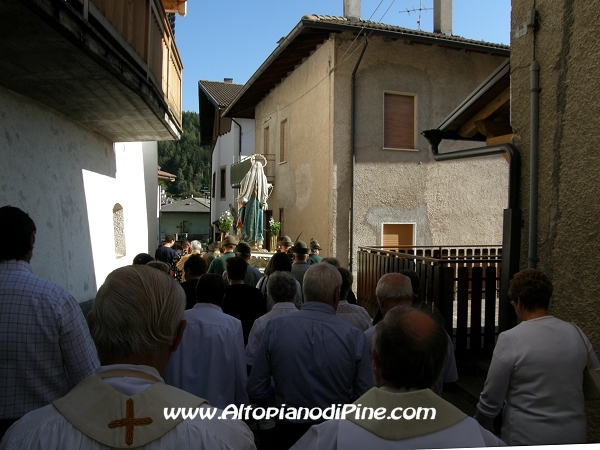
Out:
{"x": 187, "y": 159}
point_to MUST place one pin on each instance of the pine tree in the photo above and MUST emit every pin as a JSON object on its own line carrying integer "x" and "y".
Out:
{"x": 186, "y": 158}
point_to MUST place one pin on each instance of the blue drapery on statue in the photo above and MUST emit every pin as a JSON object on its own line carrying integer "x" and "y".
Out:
{"x": 252, "y": 221}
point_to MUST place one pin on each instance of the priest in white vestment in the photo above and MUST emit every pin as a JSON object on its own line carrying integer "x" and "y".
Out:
{"x": 136, "y": 323}
{"x": 408, "y": 355}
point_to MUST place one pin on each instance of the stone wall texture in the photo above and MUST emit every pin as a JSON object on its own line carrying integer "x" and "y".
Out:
{"x": 568, "y": 51}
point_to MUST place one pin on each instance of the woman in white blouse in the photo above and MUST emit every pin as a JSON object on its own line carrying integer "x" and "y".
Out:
{"x": 536, "y": 374}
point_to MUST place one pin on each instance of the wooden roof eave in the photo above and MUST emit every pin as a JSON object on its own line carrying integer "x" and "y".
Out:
{"x": 469, "y": 121}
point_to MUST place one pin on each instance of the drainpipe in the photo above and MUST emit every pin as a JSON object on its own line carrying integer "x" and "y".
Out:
{"x": 511, "y": 229}
{"x": 532, "y": 257}
{"x": 240, "y": 140}
{"x": 353, "y": 146}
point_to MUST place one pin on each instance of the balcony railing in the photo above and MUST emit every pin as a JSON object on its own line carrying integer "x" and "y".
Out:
{"x": 238, "y": 171}
{"x": 463, "y": 283}
{"x": 142, "y": 29}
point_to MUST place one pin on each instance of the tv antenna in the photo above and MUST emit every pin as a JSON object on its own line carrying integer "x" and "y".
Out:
{"x": 419, "y": 10}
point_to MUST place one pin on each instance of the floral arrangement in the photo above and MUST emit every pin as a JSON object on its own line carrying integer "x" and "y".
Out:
{"x": 274, "y": 227}
{"x": 225, "y": 222}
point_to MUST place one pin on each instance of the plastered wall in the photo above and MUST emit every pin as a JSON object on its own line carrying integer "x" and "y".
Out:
{"x": 450, "y": 203}
{"x": 69, "y": 179}
{"x": 566, "y": 47}
{"x": 305, "y": 183}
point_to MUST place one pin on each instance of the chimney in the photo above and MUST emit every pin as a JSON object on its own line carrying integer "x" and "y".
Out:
{"x": 352, "y": 10}
{"x": 228, "y": 80}
{"x": 442, "y": 17}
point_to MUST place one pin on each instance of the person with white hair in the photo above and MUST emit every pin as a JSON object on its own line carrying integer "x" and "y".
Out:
{"x": 193, "y": 248}
{"x": 314, "y": 358}
{"x": 136, "y": 323}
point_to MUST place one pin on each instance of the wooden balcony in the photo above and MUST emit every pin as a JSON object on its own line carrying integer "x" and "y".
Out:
{"x": 110, "y": 65}
{"x": 463, "y": 283}
{"x": 143, "y": 25}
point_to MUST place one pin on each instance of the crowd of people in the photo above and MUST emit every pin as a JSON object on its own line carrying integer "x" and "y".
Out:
{"x": 192, "y": 329}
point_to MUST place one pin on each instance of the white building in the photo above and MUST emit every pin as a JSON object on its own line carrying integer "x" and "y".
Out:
{"x": 79, "y": 121}
{"x": 231, "y": 140}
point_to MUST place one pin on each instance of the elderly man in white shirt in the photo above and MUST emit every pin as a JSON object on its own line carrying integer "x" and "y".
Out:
{"x": 210, "y": 361}
{"x": 136, "y": 323}
{"x": 409, "y": 352}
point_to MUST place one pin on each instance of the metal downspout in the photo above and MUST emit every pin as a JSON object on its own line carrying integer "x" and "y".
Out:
{"x": 532, "y": 256}
{"x": 240, "y": 140}
{"x": 511, "y": 229}
{"x": 353, "y": 146}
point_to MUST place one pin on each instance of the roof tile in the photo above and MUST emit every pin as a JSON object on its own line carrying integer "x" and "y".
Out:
{"x": 367, "y": 24}
{"x": 191, "y": 205}
{"x": 221, "y": 93}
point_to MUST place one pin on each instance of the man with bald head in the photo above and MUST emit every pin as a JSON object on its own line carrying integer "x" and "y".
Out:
{"x": 314, "y": 357}
{"x": 395, "y": 289}
{"x": 409, "y": 349}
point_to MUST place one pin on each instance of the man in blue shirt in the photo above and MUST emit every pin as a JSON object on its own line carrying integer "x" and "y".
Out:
{"x": 165, "y": 252}
{"x": 45, "y": 342}
{"x": 315, "y": 358}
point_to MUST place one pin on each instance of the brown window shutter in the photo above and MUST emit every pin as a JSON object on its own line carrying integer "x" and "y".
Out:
{"x": 283, "y": 140}
{"x": 399, "y": 121}
{"x": 266, "y": 141}
{"x": 397, "y": 234}
{"x": 223, "y": 182}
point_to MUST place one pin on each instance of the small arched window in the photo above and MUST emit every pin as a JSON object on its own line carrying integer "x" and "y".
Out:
{"x": 119, "y": 230}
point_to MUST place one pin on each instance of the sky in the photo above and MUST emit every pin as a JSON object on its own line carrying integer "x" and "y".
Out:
{"x": 230, "y": 39}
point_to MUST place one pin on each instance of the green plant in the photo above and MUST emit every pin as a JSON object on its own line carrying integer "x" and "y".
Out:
{"x": 274, "y": 227}
{"x": 225, "y": 222}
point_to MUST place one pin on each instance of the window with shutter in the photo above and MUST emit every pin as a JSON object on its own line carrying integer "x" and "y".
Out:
{"x": 283, "y": 141}
{"x": 398, "y": 234}
{"x": 399, "y": 122}
{"x": 266, "y": 141}
{"x": 214, "y": 183}
{"x": 223, "y": 183}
